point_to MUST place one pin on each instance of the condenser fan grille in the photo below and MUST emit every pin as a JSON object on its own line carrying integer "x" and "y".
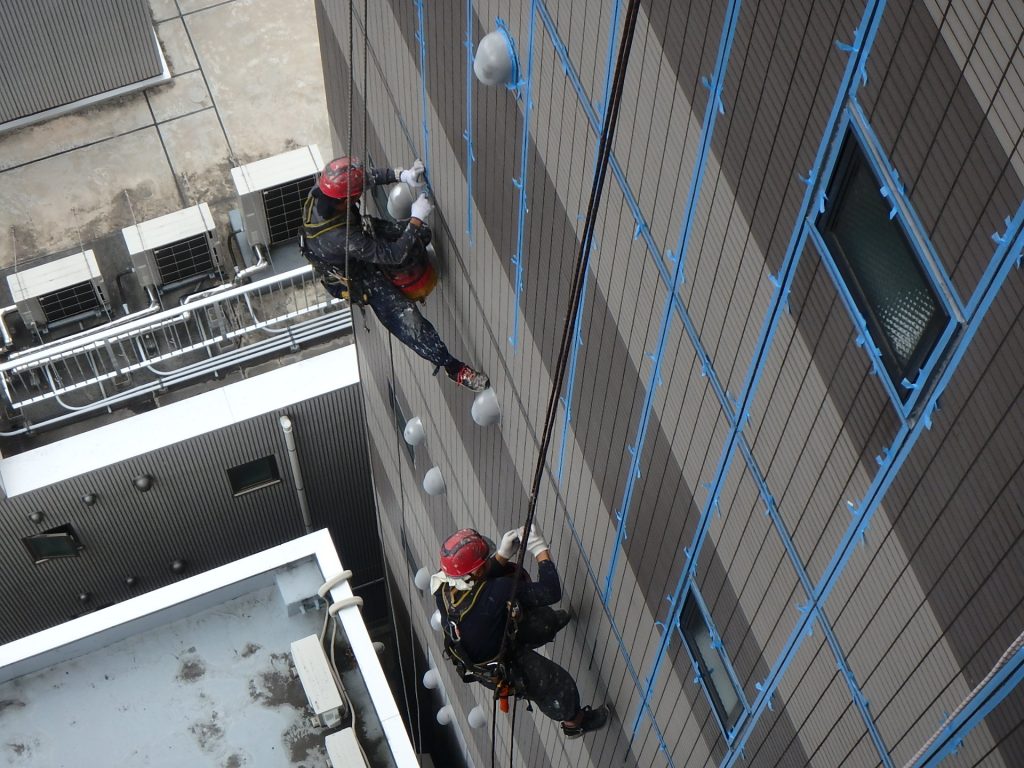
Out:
{"x": 184, "y": 259}
{"x": 283, "y": 206}
{"x": 70, "y": 301}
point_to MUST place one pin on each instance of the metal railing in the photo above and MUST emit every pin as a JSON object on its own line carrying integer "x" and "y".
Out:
{"x": 227, "y": 329}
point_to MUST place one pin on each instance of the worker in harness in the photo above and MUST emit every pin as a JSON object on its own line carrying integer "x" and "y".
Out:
{"x": 472, "y": 591}
{"x": 386, "y": 262}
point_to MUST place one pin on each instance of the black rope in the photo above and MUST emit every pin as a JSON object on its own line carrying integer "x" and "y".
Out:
{"x": 494, "y": 725}
{"x": 512, "y": 733}
{"x": 579, "y": 277}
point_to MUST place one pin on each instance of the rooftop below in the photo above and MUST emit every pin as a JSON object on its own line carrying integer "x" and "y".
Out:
{"x": 197, "y": 674}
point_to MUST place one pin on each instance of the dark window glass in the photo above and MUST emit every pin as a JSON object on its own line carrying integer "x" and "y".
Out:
{"x": 400, "y": 420}
{"x": 254, "y": 475}
{"x": 61, "y": 541}
{"x": 711, "y": 663}
{"x": 881, "y": 270}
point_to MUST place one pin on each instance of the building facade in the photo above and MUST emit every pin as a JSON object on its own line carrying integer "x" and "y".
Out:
{"x": 783, "y": 490}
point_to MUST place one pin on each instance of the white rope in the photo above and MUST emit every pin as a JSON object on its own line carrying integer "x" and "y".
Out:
{"x": 1003, "y": 661}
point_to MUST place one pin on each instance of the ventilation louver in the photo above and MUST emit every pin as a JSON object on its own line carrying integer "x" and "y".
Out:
{"x": 62, "y": 290}
{"x": 172, "y": 250}
{"x": 271, "y": 193}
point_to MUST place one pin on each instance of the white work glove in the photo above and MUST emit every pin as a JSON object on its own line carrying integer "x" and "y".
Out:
{"x": 509, "y": 544}
{"x": 412, "y": 176}
{"x": 535, "y": 544}
{"x": 422, "y": 208}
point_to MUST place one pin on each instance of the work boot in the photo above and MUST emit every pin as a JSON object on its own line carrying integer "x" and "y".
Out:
{"x": 592, "y": 720}
{"x": 467, "y": 377}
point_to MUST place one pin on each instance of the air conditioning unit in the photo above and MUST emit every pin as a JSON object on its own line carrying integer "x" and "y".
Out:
{"x": 172, "y": 250}
{"x": 320, "y": 681}
{"x": 61, "y": 291}
{"x": 271, "y": 193}
{"x": 343, "y": 749}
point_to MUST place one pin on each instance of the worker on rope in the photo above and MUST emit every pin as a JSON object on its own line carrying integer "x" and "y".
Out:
{"x": 378, "y": 262}
{"x": 473, "y": 590}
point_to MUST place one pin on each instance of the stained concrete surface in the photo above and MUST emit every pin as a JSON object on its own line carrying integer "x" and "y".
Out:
{"x": 214, "y": 689}
{"x": 248, "y": 83}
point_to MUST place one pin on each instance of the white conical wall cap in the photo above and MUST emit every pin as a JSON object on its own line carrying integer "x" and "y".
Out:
{"x": 486, "y": 411}
{"x": 421, "y": 579}
{"x": 435, "y": 621}
{"x": 431, "y": 679}
{"x": 433, "y": 483}
{"x": 400, "y": 201}
{"x": 414, "y": 433}
{"x": 444, "y": 715}
{"x": 493, "y": 63}
{"x": 476, "y": 717}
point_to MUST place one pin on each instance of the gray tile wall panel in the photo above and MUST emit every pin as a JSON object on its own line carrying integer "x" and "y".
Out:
{"x": 954, "y": 513}
{"x": 827, "y": 419}
{"x": 950, "y": 134}
{"x": 819, "y": 418}
{"x": 55, "y": 52}
{"x": 129, "y": 533}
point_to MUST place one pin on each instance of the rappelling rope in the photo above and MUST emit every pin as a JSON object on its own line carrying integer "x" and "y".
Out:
{"x": 579, "y": 277}
{"x": 1014, "y": 648}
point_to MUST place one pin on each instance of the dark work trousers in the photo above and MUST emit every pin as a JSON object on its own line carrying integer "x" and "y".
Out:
{"x": 400, "y": 316}
{"x": 544, "y": 683}
{"x": 539, "y": 679}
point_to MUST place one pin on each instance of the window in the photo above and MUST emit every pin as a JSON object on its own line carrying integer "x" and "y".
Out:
{"x": 254, "y": 475}
{"x": 400, "y": 420}
{"x": 61, "y": 541}
{"x": 882, "y": 272}
{"x": 712, "y": 665}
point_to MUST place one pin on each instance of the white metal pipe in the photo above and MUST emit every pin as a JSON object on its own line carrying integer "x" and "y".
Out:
{"x": 3, "y": 324}
{"x": 262, "y": 262}
{"x": 293, "y": 460}
{"x": 107, "y": 333}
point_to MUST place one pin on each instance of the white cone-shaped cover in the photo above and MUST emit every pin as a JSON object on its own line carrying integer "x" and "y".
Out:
{"x": 400, "y": 201}
{"x": 421, "y": 579}
{"x": 486, "y": 411}
{"x": 433, "y": 483}
{"x": 414, "y": 432}
{"x": 492, "y": 63}
{"x": 444, "y": 715}
{"x": 431, "y": 679}
{"x": 435, "y": 621}
{"x": 476, "y": 717}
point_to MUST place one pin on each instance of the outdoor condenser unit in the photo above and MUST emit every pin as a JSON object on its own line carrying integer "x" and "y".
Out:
{"x": 174, "y": 249}
{"x": 271, "y": 193}
{"x": 320, "y": 681}
{"x": 60, "y": 291}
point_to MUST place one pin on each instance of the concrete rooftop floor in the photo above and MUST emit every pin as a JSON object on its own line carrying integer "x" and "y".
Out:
{"x": 247, "y": 84}
{"x": 212, "y": 689}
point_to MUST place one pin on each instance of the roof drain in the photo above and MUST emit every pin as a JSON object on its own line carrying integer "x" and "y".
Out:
{"x": 293, "y": 461}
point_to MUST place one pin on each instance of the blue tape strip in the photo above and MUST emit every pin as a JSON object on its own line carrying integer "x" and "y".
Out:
{"x": 711, "y": 114}
{"x": 814, "y": 197}
{"x": 468, "y": 135}
{"x": 991, "y": 695}
{"x": 570, "y": 386}
{"x": 421, "y": 38}
{"x": 521, "y": 183}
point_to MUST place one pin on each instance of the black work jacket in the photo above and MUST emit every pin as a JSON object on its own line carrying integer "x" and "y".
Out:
{"x": 329, "y": 238}
{"x": 481, "y": 612}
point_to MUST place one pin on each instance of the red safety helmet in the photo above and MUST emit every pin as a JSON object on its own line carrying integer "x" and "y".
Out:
{"x": 342, "y": 178}
{"x": 465, "y": 551}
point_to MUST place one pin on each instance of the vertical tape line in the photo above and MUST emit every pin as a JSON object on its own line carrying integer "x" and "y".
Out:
{"x": 521, "y": 183}
{"x": 421, "y": 38}
{"x": 577, "y": 341}
{"x": 711, "y": 113}
{"x": 470, "y": 156}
